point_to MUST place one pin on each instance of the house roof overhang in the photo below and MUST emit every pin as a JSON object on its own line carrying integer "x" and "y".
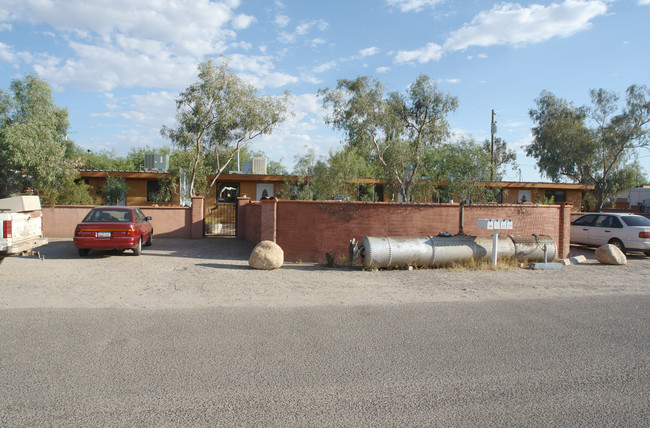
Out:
{"x": 260, "y": 178}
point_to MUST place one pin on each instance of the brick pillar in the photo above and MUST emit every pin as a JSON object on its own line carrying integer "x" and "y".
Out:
{"x": 269, "y": 219}
{"x": 198, "y": 212}
{"x": 564, "y": 246}
{"x": 242, "y": 201}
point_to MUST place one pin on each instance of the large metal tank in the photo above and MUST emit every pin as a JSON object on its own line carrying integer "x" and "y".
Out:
{"x": 387, "y": 252}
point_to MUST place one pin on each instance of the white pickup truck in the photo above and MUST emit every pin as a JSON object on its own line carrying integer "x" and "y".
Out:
{"x": 21, "y": 220}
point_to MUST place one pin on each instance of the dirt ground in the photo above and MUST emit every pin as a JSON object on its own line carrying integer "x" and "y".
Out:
{"x": 214, "y": 272}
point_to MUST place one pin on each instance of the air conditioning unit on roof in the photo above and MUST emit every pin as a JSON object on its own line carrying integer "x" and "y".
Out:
{"x": 156, "y": 162}
{"x": 259, "y": 165}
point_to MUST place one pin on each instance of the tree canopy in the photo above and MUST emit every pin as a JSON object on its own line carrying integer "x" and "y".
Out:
{"x": 593, "y": 144}
{"x": 220, "y": 114}
{"x": 33, "y": 142}
{"x": 396, "y": 129}
{"x": 462, "y": 165}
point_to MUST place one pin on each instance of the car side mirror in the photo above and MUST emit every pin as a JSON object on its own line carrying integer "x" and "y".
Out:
{"x": 148, "y": 218}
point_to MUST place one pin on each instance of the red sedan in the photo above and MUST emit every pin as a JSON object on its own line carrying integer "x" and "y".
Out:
{"x": 113, "y": 228}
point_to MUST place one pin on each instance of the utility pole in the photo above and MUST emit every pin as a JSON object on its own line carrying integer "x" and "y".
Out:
{"x": 493, "y": 130}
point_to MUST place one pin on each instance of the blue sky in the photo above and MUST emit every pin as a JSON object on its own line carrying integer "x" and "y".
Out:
{"x": 117, "y": 65}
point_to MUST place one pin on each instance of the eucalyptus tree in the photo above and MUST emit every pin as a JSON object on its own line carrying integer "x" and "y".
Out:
{"x": 33, "y": 146}
{"x": 594, "y": 144}
{"x": 219, "y": 114}
{"x": 459, "y": 168}
{"x": 397, "y": 129}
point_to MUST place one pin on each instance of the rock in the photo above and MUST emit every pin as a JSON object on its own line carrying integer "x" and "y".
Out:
{"x": 610, "y": 255}
{"x": 573, "y": 260}
{"x": 266, "y": 255}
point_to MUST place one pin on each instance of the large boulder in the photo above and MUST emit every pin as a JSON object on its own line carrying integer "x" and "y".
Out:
{"x": 266, "y": 255}
{"x": 610, "y": 255}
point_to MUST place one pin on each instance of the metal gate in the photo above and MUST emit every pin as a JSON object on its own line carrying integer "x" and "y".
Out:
{"x": 221, "y": 220}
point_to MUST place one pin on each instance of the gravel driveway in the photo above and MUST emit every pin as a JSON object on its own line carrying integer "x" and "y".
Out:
{"x": 214, "y": 272}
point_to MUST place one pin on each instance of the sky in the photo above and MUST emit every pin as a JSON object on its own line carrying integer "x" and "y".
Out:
{"x": 118, "y": 65}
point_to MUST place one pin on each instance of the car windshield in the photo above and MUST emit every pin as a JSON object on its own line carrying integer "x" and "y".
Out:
{"x": 108, "y": 215}
{"x": 636, "y": 220}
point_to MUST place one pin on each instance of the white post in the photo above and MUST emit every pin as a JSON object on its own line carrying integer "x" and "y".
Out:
{"x": 495, "y": 242}
{"x": 494, "y": 225}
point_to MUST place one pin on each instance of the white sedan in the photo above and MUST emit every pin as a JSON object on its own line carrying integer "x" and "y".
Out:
{"x": 626, "y": 231}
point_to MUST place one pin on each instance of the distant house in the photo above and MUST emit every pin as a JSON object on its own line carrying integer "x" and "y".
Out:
{"x": 143, "y": 185}
{"x": 636, "y": 199}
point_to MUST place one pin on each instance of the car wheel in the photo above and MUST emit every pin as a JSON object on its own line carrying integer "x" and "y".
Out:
{"x": 618, "y": 243}
{"x": 138, "y": 249}
{"x": 1, "y": 260}
{"x": 647, "y": 253}
{"x": 83, "y": 252}
{"x": 148, "y": 243}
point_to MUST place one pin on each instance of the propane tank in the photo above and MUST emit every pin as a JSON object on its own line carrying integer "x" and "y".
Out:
{"x": 387, "y": 252}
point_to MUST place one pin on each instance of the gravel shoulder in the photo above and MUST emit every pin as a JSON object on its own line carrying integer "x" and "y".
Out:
{"x": 214, "y": 272}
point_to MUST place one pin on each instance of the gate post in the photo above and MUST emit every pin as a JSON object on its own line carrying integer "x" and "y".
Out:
{"x": 564, "y": 235}
{"x": 240, "y": 227}
{"x": 269, "y": 219}
{"x": 197, "y": 216}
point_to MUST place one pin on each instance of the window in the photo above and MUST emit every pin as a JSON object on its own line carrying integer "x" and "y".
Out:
{"x": 636, "y": 220}
{"x": 108, "y": 215}
{"x": 227, "y": 192}
{"x": 585, "y": 220}
{"x": 558, "y": 196}
{"x": 154, "y": 192}
{"x": 603, "y": 221}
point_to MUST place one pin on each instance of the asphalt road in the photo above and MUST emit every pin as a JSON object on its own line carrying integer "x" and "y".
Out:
{"x": 544, "y": 362}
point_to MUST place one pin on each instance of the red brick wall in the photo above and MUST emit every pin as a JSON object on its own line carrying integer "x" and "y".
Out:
{"x": 306, "y": 230}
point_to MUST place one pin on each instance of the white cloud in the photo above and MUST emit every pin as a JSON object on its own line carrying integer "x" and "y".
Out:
{"x": 165, "y": 21}
{"x": 125, "y": 43}
{"x": 317, "y": 41}
{"x": 513, "y": 24}
{"x": 644, "y": 2}
{"x": 302, "y": 29}
{"x": 325, "y": 67}
{"x": 242, "y": 45}
{"x": 479, "y": 56}
{"x": 431, "y": 52}
{"x": 241, "y": 22}
{"x": 104, "y": 68}
{"x": 412, "y": 5}
{"x": 369, "y": 51}
{"x": 282, "y": 20}
{"x": 7, "y": 53}
{"x": 305, "y": 128}
{"x": 382, "y": 69}
{"x": 260, "y": 71}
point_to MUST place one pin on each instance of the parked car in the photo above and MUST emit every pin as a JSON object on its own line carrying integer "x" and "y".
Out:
{"x": 626, "y": 231}
{"x": 21, "y": 220}
{"x": 113, "y": 228}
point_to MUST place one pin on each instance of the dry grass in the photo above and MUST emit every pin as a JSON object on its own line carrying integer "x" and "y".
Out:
{"x": 503, "y": 263}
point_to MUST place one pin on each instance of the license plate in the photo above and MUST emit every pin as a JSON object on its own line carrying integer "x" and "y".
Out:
{"x": 103, "y": 234}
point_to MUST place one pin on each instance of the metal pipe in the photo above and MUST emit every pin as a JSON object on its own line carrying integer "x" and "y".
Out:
{"x": 386, "y": 252}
